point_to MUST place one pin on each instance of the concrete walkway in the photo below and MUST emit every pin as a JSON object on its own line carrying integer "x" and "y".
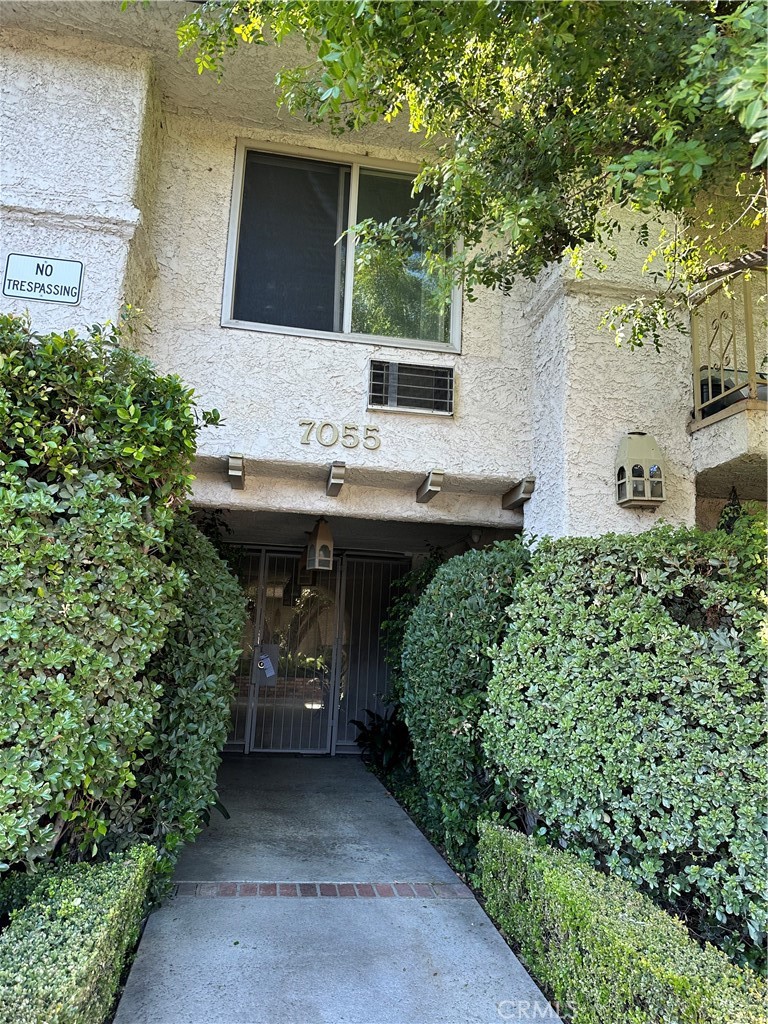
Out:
{"x": 319, "y": 902}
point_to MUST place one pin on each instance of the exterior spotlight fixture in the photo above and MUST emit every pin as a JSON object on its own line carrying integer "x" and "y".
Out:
{"x": 640, "y": 472}
{"x": 320, "y": 547}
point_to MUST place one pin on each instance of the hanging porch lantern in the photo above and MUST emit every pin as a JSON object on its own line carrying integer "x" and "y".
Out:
{"x": 640, "y": 472}
{"x": 320, "y": 547}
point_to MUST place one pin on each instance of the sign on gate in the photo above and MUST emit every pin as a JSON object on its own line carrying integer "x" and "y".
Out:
{"x": 43, "y": 278}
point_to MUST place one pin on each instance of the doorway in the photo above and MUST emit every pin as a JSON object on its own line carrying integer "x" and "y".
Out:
{"x": 313, "y": 657}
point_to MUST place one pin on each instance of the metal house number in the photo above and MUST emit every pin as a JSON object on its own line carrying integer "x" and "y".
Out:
{"x": 328, "y": 434}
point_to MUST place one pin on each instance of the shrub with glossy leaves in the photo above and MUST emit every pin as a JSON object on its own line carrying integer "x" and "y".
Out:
{"x": 70, "y": 405}
{"x": 447, "y": 662}
{"x": 626, "y": 708}
{"x": 193, "y": 674}
{"x": 94, "y": 460}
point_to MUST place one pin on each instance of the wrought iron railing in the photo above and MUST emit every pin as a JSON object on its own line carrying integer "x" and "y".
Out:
{"x": 730, "y": 343}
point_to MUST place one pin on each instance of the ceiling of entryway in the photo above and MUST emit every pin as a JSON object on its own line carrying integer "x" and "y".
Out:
{"x": 274, "y": 529}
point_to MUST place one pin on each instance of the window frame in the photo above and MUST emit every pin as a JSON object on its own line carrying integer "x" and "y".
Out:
{"x": 355, "y": 163}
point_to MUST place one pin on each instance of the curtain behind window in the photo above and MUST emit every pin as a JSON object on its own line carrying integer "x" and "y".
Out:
{"x": 288, "y": 267}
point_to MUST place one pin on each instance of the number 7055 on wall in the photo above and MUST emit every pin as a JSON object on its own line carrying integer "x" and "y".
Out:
{"x": 328, "y": 434}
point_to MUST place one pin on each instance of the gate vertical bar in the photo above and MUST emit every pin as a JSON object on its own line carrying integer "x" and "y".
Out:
{"x": 250, "y": 721}
{"x": 336, "y": 666}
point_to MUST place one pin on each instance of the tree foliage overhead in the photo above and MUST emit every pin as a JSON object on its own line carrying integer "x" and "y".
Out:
{"x": 543, "y": 121}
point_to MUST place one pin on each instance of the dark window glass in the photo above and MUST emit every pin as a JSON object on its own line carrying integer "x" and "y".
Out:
{"x": 289, "y": 269}
{"x": 291, "y": 258}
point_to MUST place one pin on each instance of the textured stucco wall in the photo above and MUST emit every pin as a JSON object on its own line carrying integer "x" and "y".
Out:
{"x": 589, "y": 393}
{"x": 743, "y": 434}
{"x": 264, "y": 384}
{"x": 71, "y": 119}
{"x": 112, "y": 167}
{"x": 549, "y": 344}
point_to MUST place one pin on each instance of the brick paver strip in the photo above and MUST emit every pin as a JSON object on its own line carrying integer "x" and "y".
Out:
{"x": 344, "y": 890}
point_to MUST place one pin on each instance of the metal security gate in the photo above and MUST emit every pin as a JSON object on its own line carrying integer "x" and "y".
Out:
{"x": 313, "y": 658}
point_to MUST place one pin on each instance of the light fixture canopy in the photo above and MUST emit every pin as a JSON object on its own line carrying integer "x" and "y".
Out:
{"x": 320, "y": 547}
{"x": 640, "y": 472}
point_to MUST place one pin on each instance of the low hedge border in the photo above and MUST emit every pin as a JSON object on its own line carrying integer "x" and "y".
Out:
{"x": 604, "y": 952}
{"x": 62, "y": 955}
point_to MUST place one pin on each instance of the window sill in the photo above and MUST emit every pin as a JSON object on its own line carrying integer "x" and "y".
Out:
{"x": 404, "y": 410}
{"x": 379, "y": 341}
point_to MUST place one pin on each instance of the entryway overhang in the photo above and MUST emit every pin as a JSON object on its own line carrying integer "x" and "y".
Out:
{"x": 425, "y": 495}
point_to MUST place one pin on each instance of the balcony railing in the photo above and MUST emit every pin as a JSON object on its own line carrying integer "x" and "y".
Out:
{"x": 730, "y": 343}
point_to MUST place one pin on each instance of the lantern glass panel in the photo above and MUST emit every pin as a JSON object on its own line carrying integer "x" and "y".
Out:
{"x": 637, "y": 470}
{"x": 638, "y": 488}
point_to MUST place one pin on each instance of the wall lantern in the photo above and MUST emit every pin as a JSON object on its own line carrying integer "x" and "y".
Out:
{"x": 640, "y": 472}
{"x": 320, "y": 547}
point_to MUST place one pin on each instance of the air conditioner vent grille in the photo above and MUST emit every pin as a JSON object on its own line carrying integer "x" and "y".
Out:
{"x": 408, "y": 386}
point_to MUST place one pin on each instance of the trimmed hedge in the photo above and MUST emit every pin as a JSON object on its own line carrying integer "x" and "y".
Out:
{"x": 446, "y": 666}
{"x": 627, "y": 710}
{"x": 194, "y": 672}
{"x": 602, "y": 950}
{"x": 71, "y": 929}
{"x": 95, "y": 452}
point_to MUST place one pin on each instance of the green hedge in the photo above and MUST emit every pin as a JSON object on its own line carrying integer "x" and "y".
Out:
{"x": 194, "y": 672}
{"x": 604, "y": 952}
{"x": 62, "y": 955}
{"x": 446, "y": 665}
{"x": 82, "y": 609}
{"x": 627, "y": 709}
{"x": 95, "y": 452}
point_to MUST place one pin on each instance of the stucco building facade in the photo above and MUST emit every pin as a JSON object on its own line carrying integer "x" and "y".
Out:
{"x": 506, "y": 415}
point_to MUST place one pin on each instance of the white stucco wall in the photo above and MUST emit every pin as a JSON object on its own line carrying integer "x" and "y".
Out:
{"x": 71, "y": 119}
{"x": 588, "y": 394}
{"x": 122, "y": 165}
{"x": 264, "y": 384}
{"x": 744, "y": 434}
